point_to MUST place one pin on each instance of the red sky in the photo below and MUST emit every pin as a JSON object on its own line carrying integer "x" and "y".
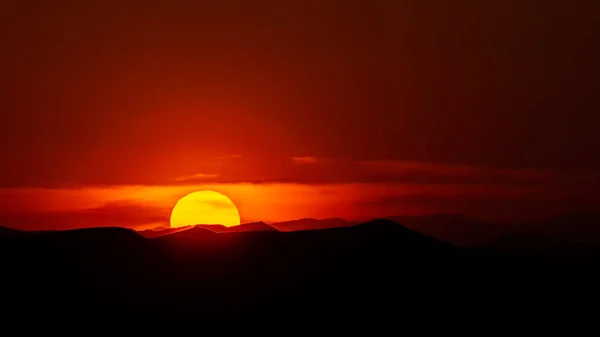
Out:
{"x": 354, "y": 109}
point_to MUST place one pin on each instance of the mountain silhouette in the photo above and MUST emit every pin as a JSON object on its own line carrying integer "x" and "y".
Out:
{"x": 571, "y": 227}
{"x": 382, "y": 231}
{"x": 454, "y": 228}
{"x": 85, "y": 240}
{"x": 463, "y": 230}
{"x": 379, "y": 230}
{"x": 246, "y": 227}
{"x": 96, "y": 234}
{"x": 4, "y": 231}
{"x": 365, "y": 276}
{"x": 311, "y": 224}
{"x": 193, "y": 233}
{"x": 153, "y": 233}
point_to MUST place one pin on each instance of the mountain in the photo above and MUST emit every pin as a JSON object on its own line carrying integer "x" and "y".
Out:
{"x": 381, "y": 230}
{"x": 154, "y": 233}
{"x": 368, "y": 274}
{"x": 454, "y": 228}
{"x": 193, "y": 235}
{"x": 571, "y": 227}
{"x": 5, "y": 231}
{"x": 88, "y": 256}
{"x": 309, "y": 248}
{"x": 378, "y": 229}
{"x": 247, "y": 227}
{"x": 311, "y": 224}
{"x": 84, "y": 237}
{"x": 463, "y": 230}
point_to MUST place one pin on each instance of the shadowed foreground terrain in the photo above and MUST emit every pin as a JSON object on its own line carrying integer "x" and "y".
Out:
{"x": 377, "y": 276}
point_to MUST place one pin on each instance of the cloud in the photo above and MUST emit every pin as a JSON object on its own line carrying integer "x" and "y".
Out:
{"x": 305, "y": 160}
{"x": 498, "y": 207}
{"x": 219, "y": 204}
{"x": 457, "y": 173}
{"x": 312, "y": 170}
{"x": 198, "y": 176}
{"x": 318, "y": 171}
{"x": 119, "y": 213}
{"x": 322, "y": 170}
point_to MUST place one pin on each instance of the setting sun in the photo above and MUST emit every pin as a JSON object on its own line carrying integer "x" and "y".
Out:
{"x": 205, "y": 207}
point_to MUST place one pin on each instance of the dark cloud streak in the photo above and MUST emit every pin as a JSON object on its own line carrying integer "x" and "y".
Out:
{"x": 120, "y": 214}
{"x": 499, "y": 208}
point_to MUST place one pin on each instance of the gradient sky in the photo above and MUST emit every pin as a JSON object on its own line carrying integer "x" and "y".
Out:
{"x": 354, "y": 109}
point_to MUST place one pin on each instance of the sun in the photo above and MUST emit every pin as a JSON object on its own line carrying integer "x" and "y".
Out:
{"x": 205, "y": 208}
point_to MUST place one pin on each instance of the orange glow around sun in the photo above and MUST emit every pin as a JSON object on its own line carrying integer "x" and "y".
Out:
{"x": 205, "y": 208}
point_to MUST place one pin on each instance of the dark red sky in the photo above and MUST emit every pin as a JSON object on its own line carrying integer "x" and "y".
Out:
{"x": 147, "y": 92}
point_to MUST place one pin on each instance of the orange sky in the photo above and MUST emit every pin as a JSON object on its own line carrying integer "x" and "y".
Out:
{"x": 297, "y": 108}
{"x": 491, "y": 194}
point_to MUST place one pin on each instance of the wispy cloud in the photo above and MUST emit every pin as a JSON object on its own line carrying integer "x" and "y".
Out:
{"x": 313, "y": 170}
{"x": 305, "y": 160}
{"x": 197, "y": 176}
{"x": 117, "y": 213}
{"x": 457, "y": 173}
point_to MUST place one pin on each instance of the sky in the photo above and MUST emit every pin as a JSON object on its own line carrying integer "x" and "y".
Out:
{"x": 112, "y": 110}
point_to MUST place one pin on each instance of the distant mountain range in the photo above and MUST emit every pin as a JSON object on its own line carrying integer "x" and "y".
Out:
{"x": 454, "y": 228}
{"x": 153, "y": 233}
{"x": 247, "y": 227}
{"x": 457, "y": 229}
{"x": 383, "y": 230}
{"x": 311, "y": 224}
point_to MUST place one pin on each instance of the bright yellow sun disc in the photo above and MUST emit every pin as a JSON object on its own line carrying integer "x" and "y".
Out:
{"x": 205, "y": 208}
